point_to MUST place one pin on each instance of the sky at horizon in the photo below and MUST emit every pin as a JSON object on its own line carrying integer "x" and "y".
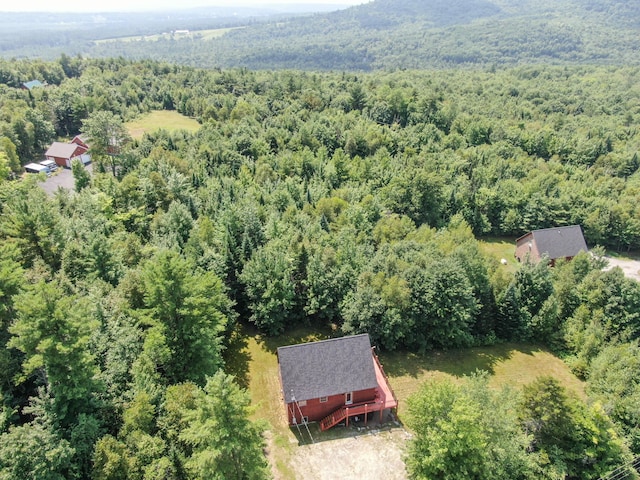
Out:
{"x": 150, "y": 5}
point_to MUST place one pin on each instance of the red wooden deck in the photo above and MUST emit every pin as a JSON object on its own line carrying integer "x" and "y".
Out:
{"x": 385, "y": 398}
{"x": 386, "y": 394}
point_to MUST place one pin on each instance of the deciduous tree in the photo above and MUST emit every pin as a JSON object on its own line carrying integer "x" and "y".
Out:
{"x": 467, "y": 431}
{"x": 53, "y": 330}
{"x": 226, "y": 444}
{"x": 189, "y": 311}
{"x": 107, "y": 136}
{"x": 579, "y": 441}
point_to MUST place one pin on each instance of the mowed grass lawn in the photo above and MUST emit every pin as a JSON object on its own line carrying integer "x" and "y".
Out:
{"x": 499, "y": 248}
{"x": 252, "y": 358}
{"x": 507, "y": 364}
{"x": 160, "y": 120}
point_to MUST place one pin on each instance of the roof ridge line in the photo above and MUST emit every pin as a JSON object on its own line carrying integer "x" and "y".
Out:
{"x": 325, "y": 340}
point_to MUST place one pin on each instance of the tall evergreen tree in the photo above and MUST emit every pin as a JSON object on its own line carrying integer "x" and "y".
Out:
{"x": 226, "y": 444}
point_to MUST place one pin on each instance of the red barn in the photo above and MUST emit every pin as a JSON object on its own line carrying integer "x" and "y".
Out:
{"x": 80, "y": 140}
{"x": 555, "y": 243}
{"x": 64, "y": 153}
{"x": 332, "y": 380}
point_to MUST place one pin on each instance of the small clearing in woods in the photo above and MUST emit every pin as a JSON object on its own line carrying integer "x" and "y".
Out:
{"x": 168, "y": 120}
{"x": 375, "y": 452}
{"x": 629, "y": 266}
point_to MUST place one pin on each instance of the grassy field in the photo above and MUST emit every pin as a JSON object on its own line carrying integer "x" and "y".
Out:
{"x": 218, "y": 32}
{"x": 499, "y": 248}
{"x": 507, "y": 364}
{"x": 160, "y": 119}
{"x": 252, "y": 359}
{"x": 200, "y": 34}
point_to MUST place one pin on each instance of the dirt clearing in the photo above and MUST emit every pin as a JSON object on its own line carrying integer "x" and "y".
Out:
{"x": 631, "y": 268}
{"x": 365, "y": 455}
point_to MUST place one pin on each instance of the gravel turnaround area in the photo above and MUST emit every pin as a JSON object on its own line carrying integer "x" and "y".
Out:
{"x": 631, "y": 268}
{"x": 374, "y": 455}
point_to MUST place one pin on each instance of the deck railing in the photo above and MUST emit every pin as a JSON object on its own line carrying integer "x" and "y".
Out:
{"x": 344, "y": 412}
{"x": 384, "y": 375}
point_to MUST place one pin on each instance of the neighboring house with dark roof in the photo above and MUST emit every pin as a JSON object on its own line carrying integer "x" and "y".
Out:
{"x": 64, "y": 153}
{"x": 331, "y": 380}
{"x": 32, "y": 84}
{"x": 555, "y": 243}
{"x": 80, "y": 140}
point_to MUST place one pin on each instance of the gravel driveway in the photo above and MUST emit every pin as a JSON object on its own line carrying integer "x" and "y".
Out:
{"x": 631, "y": 268}
{"x": 374, "y": 456}
{"x": 63, "y": 178}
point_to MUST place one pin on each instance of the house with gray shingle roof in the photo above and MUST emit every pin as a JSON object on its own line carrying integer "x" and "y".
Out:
{"x": 64, "y": 153}
{"x": 331, "y": 380}
{"x": 555, "y": 243}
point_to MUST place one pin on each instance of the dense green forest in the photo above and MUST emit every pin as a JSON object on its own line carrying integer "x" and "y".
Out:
{"x": 321, "y": 199}
{"x": 48, "y": 34}
{"x": 405, "y": 34}
{"x": 382, "y": 34}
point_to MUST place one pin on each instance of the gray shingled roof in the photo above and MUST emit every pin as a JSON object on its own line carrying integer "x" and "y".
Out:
{"x": 61, "y": 150}
{"x": 328, "y": 367}
{"x": 560, "y": 242}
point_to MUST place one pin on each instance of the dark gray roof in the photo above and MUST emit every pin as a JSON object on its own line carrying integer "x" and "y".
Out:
{"x": 328, "y": 367}
{"x": 61, "y": 150}
{"x": 560, "y": 242}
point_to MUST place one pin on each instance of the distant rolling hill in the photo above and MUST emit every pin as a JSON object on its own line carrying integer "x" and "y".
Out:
{"x": 443, "y": 33}
{"x": 411, "y": 34}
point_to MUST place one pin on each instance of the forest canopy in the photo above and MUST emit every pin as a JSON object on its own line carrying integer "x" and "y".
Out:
{"x": 338, "y": 200}
{"x": 377, "y": 35}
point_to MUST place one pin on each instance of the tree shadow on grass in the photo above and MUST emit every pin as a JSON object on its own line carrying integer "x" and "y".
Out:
{"x": 294, "y": 337}
{"x": 237, "y": 356}
{"x": 453, "y": 362}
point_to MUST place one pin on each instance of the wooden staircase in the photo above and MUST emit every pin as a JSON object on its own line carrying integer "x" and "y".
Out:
{"x": 333, "y": 418}
{"x": 348, "y": 411}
